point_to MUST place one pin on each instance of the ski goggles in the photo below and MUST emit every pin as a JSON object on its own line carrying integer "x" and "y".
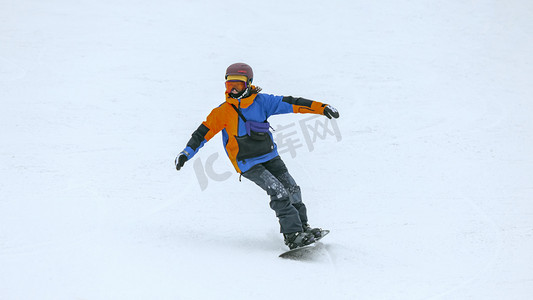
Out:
{"x": 238, "y": 85}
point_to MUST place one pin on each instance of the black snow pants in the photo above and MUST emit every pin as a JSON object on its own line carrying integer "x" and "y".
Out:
{"x": 285, "y": 195}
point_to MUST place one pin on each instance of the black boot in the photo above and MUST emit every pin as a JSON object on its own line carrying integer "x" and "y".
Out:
{"x": 316, "y": 232}
{"x": 298, "y": 239}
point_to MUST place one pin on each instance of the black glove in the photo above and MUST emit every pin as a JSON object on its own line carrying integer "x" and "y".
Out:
{"x": 331, "y": 112}
{"x": 180, "y": 161}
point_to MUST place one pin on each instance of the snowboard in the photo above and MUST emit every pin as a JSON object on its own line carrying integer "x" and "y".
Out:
{"x": 299, "y": 252}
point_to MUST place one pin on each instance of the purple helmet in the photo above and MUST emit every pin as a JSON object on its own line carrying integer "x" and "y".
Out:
{"x": 240, "y": 69}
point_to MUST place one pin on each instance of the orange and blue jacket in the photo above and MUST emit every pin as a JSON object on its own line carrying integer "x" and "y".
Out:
{"x": 257, "y": 107}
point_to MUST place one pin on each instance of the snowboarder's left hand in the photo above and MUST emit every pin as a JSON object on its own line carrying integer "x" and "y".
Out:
{"x": 180, "y": 161}
{"x": 331, "y": 112}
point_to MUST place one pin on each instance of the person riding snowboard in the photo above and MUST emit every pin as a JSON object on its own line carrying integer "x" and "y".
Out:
{"x": 249, "y": 145}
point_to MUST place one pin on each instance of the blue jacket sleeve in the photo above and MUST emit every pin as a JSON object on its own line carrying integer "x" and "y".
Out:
{"x": 287, "y": 104}
{"x": 274, "y": 105}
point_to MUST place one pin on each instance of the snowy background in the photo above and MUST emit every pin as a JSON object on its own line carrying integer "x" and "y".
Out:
{"x": 427, "y": 188}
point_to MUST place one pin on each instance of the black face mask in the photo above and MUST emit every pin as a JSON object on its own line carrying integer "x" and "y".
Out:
{"x": 242, "y": 94}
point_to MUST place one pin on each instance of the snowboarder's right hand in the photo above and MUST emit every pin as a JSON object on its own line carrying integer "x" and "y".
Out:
{"x": 180, "y": 161}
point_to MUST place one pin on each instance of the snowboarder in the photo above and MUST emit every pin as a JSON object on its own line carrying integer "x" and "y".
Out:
{"x": 249, "y": 145}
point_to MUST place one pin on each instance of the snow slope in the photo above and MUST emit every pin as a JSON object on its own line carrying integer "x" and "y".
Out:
{"x": 426, "y": 186}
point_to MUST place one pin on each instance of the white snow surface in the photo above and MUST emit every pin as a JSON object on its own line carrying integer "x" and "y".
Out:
{"x": 428, "y": 194}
